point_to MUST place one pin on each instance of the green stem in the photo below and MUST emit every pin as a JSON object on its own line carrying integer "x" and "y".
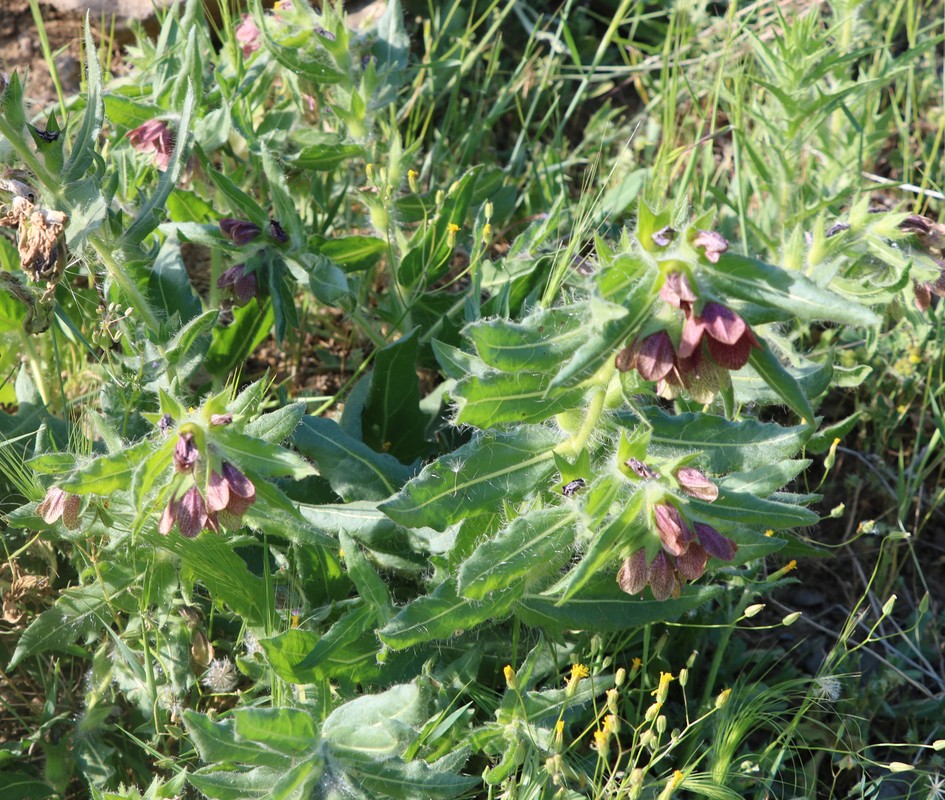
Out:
{"x": 595, "y": 408}
{"x": 721, "y": 650}
{"x": 35, "y": 365}
{"x": 133, "y": 294}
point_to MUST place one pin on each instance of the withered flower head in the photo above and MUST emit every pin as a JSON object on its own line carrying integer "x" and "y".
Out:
{"x": 242, "y": 285}
{"x": 241, "y": 231}
{"x": 153, "y": 136}
{"x": 695, "y": 483}
{"x": 221, "y": 419}
{"x": 59, "y": 504}
{"x": 185, "y": 453}
{"x": 165, "y": 423}
{"x": 714, "y": 243}
{"x": 221, "y": 676}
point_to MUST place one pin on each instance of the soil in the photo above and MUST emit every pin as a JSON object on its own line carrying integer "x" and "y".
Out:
{"x": 20, "y": 50}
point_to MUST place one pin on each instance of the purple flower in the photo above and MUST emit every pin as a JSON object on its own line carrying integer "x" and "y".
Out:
{"x": 714, "y": 243}
{"x": 653, "y": 357}
{"x": 248, "y": 35}
{"x": 221, "y": 419}
{"x": 677, "y": 292}
{"x": 185, "y": 453}
{"x": 58, "y": 504}
{"x": 673, "y": 529}
{"x": 165, "y": 423}
{"x": 231, "y": 493}
{"x": 153, "y": 136}
{"x": 632, "y": 576}
{"x": 242, "y": 285}
{"x": 241, "y": 231}
{"x": 727, "y": 335}
{"x": 191, "y": 513}
{"x": 662, "y": 577}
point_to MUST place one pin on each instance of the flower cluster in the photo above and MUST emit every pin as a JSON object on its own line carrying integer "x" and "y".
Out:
{"x": 685, "y": 549}
{"x": 712, "y": 342}
{"x": 154, "y": 137}
{"x": 229, "y": 494}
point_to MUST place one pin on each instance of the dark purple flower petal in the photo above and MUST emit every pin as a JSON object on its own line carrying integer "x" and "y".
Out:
{"x": 191, "y": 513}
{"x": 673, "y": 530}
{"x": 714, "y": 243}
{"x": 655, "y": 357}
{"x": 733, "y": 356}
{"x": 240, "y": 485}
{"x": 240, "y": 231}
{"x": 715, "y": 544}
{"x": 165, "y": 423}
{"x": 662, "y": 577}
{"x": 691, "y": 564}
{"x": 633, "y": 573}
{"x": 695, "y": 483}
{"x": 722, "y": 324}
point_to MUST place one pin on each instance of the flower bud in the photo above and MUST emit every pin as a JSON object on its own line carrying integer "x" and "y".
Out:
{"x": 185, "y": 453}
{"x": 695, "y": 483}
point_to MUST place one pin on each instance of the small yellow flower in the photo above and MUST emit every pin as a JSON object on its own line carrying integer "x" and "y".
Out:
{"x": 412, "y": 179}
{"x": 369, "y": 170}
{"x": 453, "y": 227}
{"x": 660, "y": 692}
{"x": 637, "y": 663}
{"x": 769, "y": 532}
{"x": 601, "y": 738}
{"x": 486, "y": 233}
{"x": 791, "y": 565}
{"x": 611, "y": 725}
{"x": 510, "y": 677}
{"x": 341, "y": 552}
{"x": 578, "y": 671}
